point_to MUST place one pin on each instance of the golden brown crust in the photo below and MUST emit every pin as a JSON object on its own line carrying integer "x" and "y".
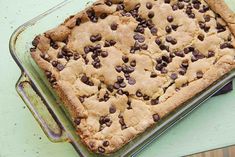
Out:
{"x": 155, "y": 79}
{"x": 220, "y": 7}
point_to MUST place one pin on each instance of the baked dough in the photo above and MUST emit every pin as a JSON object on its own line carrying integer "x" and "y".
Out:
{"x": 120, "y": 66}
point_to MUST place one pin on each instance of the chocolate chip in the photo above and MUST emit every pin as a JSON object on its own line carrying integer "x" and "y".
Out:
{"x": 125, "y": 59}
{"x": 158, "y": 41}
{"x": 150, "y": 23}
{"x": 186, "y": 50}
{"x": 166, "y": 59}
{"x": 164, "y": 70}
{"x": 153, "y": 75}
{"x": 196, "y": 6}
{"x": 52, "y": 79}
{"x": 54, "y": 63}
{"x": 35, "y": 41}
{"x": 131, "y": 81}
{"x": 120, "y": 79}
{"x": 172, "y": 55}
{"x": 170, "y": 19}
{"x": 54, "y": 45}
{"x": 76, "y": 56}
{"x": 127, "y": 76}
{"x": 84, "y": 79}
{"x": 174, "y": 76}
{"x": 162, "y": 47}
{"x": 112, "y": 109}
{"x": 220, "y": 28}
{"x": 106, "y": 143}
{"x": 45, "y": 57}
{"x": 139, "y": 29}
{"x": 202, "y": 25}
{"x": 194, "y": 59}
{"x": 146, "y": 97}
{"x": 77, "y": 121}
{"x": 192, "y": 15}
{"x": 154, "y": 31}
{"x": 211, "y": 54}
{"x": 226, "y": 45}
{"x": 95, "y": 38}
{"x": 154, "y": 101}
{"x": 133, "y": 63}
{"x": 174, "y": 7}
{"x": 118, "y": 68}
{"x": 121, "y": 120}
{"x": 81, "y": 99}
{"x": 159, "y": 60}
{"x": 123, "y": 85}
{"x": 196, "y": 52}
{"x": 120, "y": 92}
{"x": 207, "y": 18}
{"x": 168, "y": 29}
{"x": 180, "y": 5}
{"x": 104, "y": 54}
{"x": 91, "y": 15}
{"x": 167, "y": 1}
{"x": 138, "y": 93}
{"x": 78, "y": 21}
{"x": 201, "y": 37}
{"x": 205, "y": 8}
{"x": 48, "y": 74}
{"x": 120, "y": 7}
{"x": 114, "y": 26}
{"x": 139, "y": 38}
{"x": 106, "y": 119}
{"x": 149, "y": 5}
{"x": 156, "y": 117}
{"x": 60, "y": 66}
{"x": 110, "y": 88}
{"x": 32, "y": 49}
{"x": 188, "y": 10}
{"x": 129, "y": 69}
{"x": 169, "y": 39}
{"x": 179, "y": 53}
{"x": 108, "y": 2}
{"x": 182, "y": 71}
{"x": 199, "y": 74}
{"x": 96, "y": 64}
{"x": 229, "y": 37}
{"x": 103, "y": 15}
{"x": 87, "y": 49}
{"x": 144, "y": 46}
{"x": 101, "y": 149}
{"x": 116, "y": 86}
{"x": 90, "y": 83}
{"x": 151, "y": 14}
{"x": 174, "y": 27}
{"x": 207, "y": 28}
{"x": 136, "y": 46}
{"x": 185, "y": 63}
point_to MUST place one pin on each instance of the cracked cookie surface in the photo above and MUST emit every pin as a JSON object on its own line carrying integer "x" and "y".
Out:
{"x": 122, "y": 65}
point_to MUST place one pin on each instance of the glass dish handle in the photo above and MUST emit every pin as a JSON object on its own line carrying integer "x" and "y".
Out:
{"x": 40, "y": 111}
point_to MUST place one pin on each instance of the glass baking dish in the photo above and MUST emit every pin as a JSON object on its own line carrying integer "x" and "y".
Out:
{"x": 45, "y": 105}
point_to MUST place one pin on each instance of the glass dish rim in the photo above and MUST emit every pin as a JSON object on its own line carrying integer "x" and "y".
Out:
{"x": 31, "y": 22}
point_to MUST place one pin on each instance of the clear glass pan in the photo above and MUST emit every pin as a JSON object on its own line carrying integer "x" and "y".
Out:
{"x": 46, "y": 107}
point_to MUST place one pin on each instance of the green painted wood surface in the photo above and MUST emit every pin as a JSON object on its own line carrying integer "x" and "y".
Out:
{"x": 210, "y": 126}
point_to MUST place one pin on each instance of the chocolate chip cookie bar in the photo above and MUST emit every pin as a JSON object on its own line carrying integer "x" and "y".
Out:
{"x": 120, "y": 66}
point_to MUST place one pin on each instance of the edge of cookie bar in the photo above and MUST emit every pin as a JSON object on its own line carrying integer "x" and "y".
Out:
{"x": 221, "y": 8}
{"x": 222, "y": 67}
